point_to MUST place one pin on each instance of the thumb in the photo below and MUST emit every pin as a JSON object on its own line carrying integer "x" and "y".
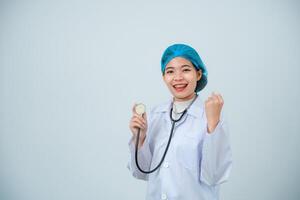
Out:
{"x": 144, "y": 116}
{"x": 133, "y": 108}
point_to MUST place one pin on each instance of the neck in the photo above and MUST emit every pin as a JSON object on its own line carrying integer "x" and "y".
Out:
{"x": 185, "y": 98}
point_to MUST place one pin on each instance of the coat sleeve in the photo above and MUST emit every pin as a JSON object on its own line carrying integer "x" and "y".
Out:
{"x": 144, "y": 159}
{"x": 216, "y": 162}
{"x": 144, "y": 155}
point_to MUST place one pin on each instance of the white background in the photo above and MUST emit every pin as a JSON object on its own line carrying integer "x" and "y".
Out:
{"x": 70, "y": 72}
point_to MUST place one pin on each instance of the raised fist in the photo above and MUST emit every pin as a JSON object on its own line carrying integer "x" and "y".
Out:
{"x": 213, "y": 107}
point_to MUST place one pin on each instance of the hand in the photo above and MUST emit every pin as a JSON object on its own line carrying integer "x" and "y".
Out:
{"x": 137, "y": 122}
{"x": 213, "y": 107}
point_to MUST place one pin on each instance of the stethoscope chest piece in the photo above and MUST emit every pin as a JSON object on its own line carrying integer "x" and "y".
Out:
{"x": 140, "y": 109}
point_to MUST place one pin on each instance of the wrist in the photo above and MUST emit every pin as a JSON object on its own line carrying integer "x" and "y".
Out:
{"x": 211, "y": 126}
{"x": 141, "y": 140}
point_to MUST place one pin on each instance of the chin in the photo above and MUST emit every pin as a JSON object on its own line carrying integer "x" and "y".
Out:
{"x": 183, "y": 95}
{"x": 180, "y": 96}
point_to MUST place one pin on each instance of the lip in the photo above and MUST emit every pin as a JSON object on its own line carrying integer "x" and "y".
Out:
{"x": 180, "y": 87}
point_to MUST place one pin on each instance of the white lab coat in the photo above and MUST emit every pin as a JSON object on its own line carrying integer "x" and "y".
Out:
{"x": 196, "y": 162}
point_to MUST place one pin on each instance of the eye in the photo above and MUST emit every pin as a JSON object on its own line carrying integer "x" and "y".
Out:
{"x": 186, "y": 70}
{"x": 169, "y": 72}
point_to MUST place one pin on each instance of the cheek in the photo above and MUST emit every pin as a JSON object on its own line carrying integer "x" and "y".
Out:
{"x": 191, "y": 78}
{"x": 167, "y": 79}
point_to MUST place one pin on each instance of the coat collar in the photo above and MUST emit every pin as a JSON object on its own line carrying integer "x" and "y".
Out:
{"x": 196, "y": 109}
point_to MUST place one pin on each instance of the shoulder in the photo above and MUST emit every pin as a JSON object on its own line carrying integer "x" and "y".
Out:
{"x": 160, "y": 108}
{"x": 155, "y": 113}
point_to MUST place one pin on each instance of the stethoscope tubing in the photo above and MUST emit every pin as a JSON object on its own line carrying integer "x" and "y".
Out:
{"x": 166, "y": 150}
{"x": 167, "y": 147}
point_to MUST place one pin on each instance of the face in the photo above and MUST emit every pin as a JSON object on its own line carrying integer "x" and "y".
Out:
{"x": 181, "y": 78}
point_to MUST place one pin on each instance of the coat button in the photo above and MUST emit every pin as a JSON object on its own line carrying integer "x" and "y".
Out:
{"x": 166, "y": 165}
{"x": 163, "y": 196}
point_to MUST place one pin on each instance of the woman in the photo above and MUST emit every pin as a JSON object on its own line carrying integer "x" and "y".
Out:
{"x": 199, "y": 156}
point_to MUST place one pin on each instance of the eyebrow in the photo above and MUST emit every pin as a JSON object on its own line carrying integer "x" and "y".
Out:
{"x": 170, "y": 67}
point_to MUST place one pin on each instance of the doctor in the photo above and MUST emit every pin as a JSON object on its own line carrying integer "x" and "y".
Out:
{"x": 199, "y": 158}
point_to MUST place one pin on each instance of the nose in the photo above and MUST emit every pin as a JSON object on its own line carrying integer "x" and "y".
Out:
{"x": 178, "y": 76}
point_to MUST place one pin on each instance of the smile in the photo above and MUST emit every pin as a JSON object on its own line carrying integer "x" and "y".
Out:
{"x": 179, "y": 87}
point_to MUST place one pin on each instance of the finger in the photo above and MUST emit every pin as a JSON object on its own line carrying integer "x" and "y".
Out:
{"x": 140, "y": 117}
{"x": 135, "y": 119}
{"x": 135, "y": 128}
{"x": 139, "y": 121}
{"x": 210, "y": 98}
{"x": 220, "y": 99}
{"x": 136, "y": 124}
{"x": 133, "y": 108}
{"x": 144, "y": 116}
{"x": 217, "y": 93}
{"x": 215, "y": 96}
{"x": 216, "y": 99}
{"x": 207, "y": 100}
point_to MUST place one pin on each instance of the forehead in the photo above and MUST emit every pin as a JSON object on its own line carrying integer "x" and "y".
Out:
{"x": 178, "y": 62}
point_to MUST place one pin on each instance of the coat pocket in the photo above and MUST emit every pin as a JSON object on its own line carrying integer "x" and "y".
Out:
{"x": 188, "y": 154}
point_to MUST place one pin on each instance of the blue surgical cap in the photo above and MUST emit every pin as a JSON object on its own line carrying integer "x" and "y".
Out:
{"x": 187, "y": 52}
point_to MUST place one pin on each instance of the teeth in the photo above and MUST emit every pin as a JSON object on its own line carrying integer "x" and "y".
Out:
{"x": 179, "y": 86}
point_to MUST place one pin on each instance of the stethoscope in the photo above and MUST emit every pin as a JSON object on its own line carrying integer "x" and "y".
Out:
{"x": 140, "y": 109}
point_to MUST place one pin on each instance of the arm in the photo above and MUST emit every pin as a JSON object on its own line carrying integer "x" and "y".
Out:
{"x": 144, "y": 158}
{"x": 144, "y": 153}
{"x": 216, "y": 160}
